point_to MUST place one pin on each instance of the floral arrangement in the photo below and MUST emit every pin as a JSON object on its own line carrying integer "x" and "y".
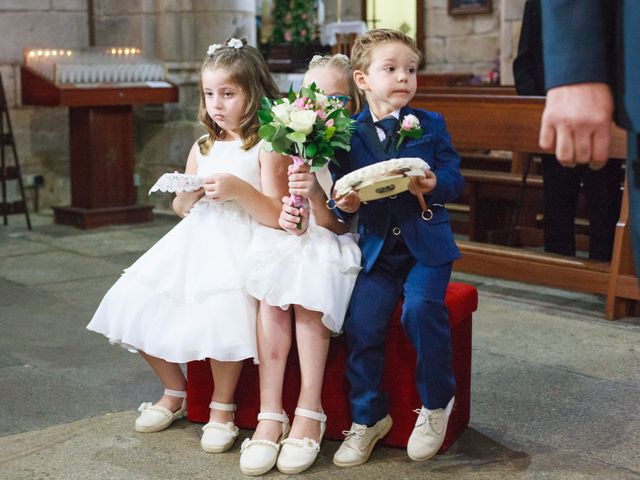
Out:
{"x": 409, "y": 127}
{"x": 294, "y": 22}
{"x": 307, "y": 125}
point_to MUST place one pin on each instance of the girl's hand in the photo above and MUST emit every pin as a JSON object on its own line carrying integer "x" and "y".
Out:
{"x": 349, "y": 203}
{"x": 221, "y": 186}
{"x": 423, "y": 185}
{"x": 303, "y": 182}
{"x": 190, "y": 197}
{"x": 291, "y": 216}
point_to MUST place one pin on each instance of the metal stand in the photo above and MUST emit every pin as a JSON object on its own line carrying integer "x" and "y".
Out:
{"x": 10, "y": 173}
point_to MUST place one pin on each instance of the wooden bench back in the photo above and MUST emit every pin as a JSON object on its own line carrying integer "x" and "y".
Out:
{"x": 494, "y": 122}
{"x": 507, "y": 122}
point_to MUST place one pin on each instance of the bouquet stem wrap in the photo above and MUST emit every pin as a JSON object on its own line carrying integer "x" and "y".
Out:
{"x": 296, "y": 200}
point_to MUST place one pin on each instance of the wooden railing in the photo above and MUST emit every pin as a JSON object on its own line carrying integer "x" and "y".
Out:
{"x": 507, "y": 122}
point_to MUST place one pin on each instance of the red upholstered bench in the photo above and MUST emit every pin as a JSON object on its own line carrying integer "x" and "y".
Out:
{"x": 399, "y": 382}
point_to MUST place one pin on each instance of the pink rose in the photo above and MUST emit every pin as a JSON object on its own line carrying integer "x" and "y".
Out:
{"x": 287, "y": 35}
{"x": 329, "y": 123}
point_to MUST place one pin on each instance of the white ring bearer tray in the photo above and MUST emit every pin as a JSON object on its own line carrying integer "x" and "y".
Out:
{"x": 382, "y": 179}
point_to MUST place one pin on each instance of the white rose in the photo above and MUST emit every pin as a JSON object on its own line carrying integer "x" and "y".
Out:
{"x": 321, "y": 100}
{"x": 302, "y": 121}
{"x": 281, "y": 112}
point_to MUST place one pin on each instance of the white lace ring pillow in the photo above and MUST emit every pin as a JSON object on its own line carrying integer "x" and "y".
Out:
{"x": 382, "y": 179}
{"x": 177, "y": 182}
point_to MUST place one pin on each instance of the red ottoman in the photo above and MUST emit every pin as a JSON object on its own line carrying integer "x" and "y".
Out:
{"x": 399, "y": 381}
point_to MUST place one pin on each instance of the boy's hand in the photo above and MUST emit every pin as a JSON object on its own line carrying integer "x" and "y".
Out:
{"x": 423, "y": 185}
{"x": 302, "y": 182}
{"x": 290, "y": 216}
{"x": 349, "y": 203}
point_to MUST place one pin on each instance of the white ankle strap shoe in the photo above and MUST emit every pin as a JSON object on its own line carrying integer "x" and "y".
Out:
{"x": 219, "y": 437}
{"x": 155, "y": 418}
{"x": 297, "y": 454}
{"x": 257, "y": 457}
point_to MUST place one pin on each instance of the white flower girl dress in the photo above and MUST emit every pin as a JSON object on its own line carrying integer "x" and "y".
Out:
{"x": 317, "y": 269}
{"x": 184, "y": 299}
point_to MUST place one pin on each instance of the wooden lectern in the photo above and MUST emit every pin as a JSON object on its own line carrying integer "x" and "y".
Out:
{"x": 101, "y": 141}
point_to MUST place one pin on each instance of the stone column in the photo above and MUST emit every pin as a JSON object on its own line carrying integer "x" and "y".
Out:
{"x": 177, "y": 32}
{"x": 510, "y": 24}
{"x": 41, "y": 133}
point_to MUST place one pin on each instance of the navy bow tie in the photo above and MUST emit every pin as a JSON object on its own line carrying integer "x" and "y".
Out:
{"x": 390, "y": 126}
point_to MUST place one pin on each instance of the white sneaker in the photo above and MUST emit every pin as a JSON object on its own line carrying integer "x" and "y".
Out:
{"x": 428, "y": 434}
{"x": 359, "y": 442}
{"x": 257, "y": 457}
{"x": 219, "y": 437}
{"x": 297, "y": 454}
{"x": 154, "y": 418}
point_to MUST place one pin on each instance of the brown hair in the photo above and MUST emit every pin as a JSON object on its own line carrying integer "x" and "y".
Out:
{"x": 365, "y": 43}
{"x": 341, "y": 64}
{"x": 249, "y": 71}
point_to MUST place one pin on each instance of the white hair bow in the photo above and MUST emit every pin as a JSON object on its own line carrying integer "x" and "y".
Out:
{"x": 212, "y": 48}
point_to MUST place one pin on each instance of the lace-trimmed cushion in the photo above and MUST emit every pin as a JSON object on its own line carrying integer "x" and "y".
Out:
{"x": 381, "y": 179}
{"x": 177, "y": 182}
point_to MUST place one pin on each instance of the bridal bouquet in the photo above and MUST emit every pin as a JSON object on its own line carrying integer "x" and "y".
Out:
{"x": 307, "y": 125}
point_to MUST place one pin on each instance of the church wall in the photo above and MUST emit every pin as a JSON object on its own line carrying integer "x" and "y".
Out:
{"x": 178, "y": 32}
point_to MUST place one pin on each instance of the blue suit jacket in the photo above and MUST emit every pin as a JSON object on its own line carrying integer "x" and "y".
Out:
{"x": 595, "y": 41}
{"x": 430, "y": 242}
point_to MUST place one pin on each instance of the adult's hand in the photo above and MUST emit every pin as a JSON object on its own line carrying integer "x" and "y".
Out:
{"x": 576, "y": 123}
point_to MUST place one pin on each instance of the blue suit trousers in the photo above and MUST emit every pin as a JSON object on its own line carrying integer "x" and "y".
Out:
{"x": 424, "y": 319}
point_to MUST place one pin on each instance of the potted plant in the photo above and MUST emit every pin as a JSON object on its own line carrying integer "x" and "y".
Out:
{"x": 294, "y": 38}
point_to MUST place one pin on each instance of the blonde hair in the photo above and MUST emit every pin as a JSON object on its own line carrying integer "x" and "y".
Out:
{"x": 365, "y": 43}
{"x": 249, "y": 71}
{"x": 341, "y": 64}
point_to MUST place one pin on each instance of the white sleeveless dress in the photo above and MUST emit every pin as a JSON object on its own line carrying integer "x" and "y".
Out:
{"x": 317, "y": 269}
{"x": 184, "y": 299}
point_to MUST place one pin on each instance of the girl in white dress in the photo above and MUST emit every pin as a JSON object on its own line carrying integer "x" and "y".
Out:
{"x": 309, "y": 271}
{"x": 184, "y": 299}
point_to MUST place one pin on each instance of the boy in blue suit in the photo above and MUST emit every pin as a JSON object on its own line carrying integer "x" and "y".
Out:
{"x": 405, "y": 251}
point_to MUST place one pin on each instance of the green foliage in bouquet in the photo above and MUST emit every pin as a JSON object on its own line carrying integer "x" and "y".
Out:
{"x": 307, "y": 124}
{"x": 294, "y": 22}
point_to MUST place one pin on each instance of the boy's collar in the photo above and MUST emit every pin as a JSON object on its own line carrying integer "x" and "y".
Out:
{"x": 395, "y": 113}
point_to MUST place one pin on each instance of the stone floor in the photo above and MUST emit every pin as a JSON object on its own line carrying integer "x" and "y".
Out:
{"x": 555, "y": 387}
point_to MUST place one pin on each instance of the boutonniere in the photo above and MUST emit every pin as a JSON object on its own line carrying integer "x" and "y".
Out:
{"x": 409, "y": 127}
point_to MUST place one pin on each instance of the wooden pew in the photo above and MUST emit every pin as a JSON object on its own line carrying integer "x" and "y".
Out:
{"x": 512, "y": 123}
{"x": 443, "y": 79}
{"x": 467, "y": 90}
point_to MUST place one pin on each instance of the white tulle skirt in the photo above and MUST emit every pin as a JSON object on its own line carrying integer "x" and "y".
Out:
{"x": 184, "y": 299}
{"x": 316, "y": 270}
